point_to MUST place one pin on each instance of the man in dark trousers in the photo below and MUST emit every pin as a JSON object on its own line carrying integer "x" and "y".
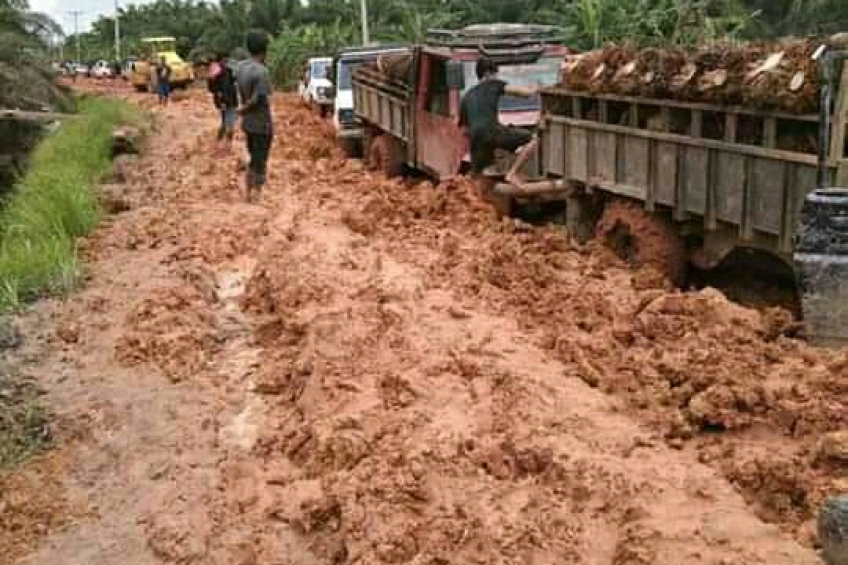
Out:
{"x": 221, "y": 82}
{"x": 163, "y": 81}
{"x": 478, "y": 114}
{"x": 254, "y": 86}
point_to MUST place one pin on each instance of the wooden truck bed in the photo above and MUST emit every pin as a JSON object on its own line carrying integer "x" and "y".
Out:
{"x": 383, "y": 102}
{"x": 721, "y": 167}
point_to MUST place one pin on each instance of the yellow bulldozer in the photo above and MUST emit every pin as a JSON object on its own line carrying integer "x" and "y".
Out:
{"x": 157, "y": 48}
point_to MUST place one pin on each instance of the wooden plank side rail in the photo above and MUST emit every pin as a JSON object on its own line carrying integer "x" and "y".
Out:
{"x": 679, "y": 104}
{"x": 689, "y": 141}
{"x": 752, "y": 190}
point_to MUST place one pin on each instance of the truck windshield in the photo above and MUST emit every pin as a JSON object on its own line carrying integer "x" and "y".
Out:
{"x": 543, "y": 72}
{"x": 319, "y": 69}
{"x": 346, "y": 69}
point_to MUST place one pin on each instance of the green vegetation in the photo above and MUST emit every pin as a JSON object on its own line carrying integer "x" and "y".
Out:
{"x": 26, "y": 80}
{"x": 55, "y": 203}
{"x": 23, "y": 420}
{"x": 319, "y": 26}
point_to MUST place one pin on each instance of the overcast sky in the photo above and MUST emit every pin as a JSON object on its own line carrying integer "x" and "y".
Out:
{"x": 91, "y": 10}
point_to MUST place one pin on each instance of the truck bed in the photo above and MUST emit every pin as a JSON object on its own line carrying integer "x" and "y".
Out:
{"x": 381, "y": 100}
{"x": 720, "y": 167}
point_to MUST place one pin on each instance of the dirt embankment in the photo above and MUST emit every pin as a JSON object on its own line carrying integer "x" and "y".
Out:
{"x": 363, "y": 371}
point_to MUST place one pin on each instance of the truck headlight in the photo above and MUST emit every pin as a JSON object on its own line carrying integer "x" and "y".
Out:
{"x": 322, "y": 91}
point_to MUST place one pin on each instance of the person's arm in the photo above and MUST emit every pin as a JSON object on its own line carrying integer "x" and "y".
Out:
{"x": 261, "y": 91}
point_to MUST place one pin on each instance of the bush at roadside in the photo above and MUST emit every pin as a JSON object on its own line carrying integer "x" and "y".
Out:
{"x": 56, "y": 202}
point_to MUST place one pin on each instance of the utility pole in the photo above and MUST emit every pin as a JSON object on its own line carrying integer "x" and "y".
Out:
{"x": 364, "y": 13}
{"x": 76, "y": 14}
{"x": 117, "y": 32}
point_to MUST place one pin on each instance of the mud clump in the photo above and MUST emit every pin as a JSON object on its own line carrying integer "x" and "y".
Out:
{"x": 171, "y": 330}
{"x": 688, "y": 363}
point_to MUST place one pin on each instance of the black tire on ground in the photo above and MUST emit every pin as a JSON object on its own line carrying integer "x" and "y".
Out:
{"x": 833, "y": 530}
{"x": 384, "y": 154}
{"x": 141, "y": 88}
{"x": 643, "y": 239}
{"x": 352, "y": 148}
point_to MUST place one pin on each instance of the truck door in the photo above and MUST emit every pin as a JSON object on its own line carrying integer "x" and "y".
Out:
{"x": 440, "y": 144}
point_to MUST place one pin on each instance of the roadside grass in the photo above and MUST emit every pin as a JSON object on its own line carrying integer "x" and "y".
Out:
{"x": 24, "y": 422}
{"x": 56, "y": 202}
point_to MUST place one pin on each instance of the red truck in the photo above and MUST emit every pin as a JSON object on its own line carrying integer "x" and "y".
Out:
{"x": 413, "y": 120}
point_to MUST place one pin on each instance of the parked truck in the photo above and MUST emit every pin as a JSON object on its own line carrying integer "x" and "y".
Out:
{"x": 315, "y": 86}
{"x": 674, "y": 183}
{"x": 411, "y": 118}
{"x": 349, "y": 128}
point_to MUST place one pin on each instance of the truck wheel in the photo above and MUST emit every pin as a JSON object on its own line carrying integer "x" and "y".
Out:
{"x": 642, "y": 238}
{"x": 384, "y": 155}
{"x": 351, "y": 148}
{"x": 140, "y": 88}
{"x": 833, "y": 530}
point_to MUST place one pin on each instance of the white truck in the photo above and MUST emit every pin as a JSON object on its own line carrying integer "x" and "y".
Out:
{"x": 348, "y": 128}
{"x": 315, "y": 86}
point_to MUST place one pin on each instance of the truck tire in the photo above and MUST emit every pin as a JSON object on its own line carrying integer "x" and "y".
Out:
{"x": 833, "y": 530}
{"x": 139, "y": 88}
{"x": 384, "y": 154}
{"x": 642, "y": 238}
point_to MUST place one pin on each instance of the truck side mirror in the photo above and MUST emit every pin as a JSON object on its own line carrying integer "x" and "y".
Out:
{"x": 456, "y": 75}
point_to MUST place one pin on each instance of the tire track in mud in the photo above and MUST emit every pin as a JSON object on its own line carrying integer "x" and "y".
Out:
{"x": 355, "y": 372}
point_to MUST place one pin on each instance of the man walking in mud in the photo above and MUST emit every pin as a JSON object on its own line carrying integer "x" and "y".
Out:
{"x": 222, "y": 84}
{"x": 478, "y": 114}
{"x": 254, "y": 86}
{"x": 163, "y": 81}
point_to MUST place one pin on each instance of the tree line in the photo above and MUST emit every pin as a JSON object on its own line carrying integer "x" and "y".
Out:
{"x": 321, "y": 26}
{"x": 301, "y": 29}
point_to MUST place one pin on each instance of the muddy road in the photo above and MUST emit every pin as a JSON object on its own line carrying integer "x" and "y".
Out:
{"x": 356, "y": 370}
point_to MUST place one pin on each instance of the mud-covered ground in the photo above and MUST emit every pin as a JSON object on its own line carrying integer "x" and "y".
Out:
{"x": 358, "y": 370}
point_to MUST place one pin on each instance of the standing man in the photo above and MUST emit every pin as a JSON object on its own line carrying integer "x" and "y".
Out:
{"x": 254, "y": 86}
{"x": 222, "y": 84}
{"x": 478, "y": 114}
{"x": 163, "y": 81}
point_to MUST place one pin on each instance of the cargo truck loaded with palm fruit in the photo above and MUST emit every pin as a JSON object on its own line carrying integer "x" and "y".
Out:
{"x": 678, "y": 159}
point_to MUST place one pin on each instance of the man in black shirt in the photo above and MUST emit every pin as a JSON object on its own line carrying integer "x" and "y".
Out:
{"x": 221, "y": 82}
{"x": 478, "y": 114}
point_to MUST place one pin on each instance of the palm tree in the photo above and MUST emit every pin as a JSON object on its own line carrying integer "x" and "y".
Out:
{"x": 26, "y": 80}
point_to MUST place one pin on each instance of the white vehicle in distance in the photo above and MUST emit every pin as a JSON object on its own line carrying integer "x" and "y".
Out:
{"x": 348, "y": 129}
{"x": 102, "y": 69}
{"x": 81, "y": 69}
{"x": 315, "y": 86}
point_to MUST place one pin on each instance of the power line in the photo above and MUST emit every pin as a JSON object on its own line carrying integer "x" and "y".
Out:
{"x": 363, "y": 13}
{"x": 76, "y": 14}
{"x": 117, "y": 32}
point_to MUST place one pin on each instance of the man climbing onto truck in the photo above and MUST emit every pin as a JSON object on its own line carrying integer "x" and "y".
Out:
{"x": 478, "y": 114}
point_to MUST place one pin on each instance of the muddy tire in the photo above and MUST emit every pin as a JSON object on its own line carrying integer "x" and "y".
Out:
{"x": 352, "y": 148}
{"x": 833, "y": 530}
{"x": 384, "y": 155}
{"x": 642, "y": 238}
